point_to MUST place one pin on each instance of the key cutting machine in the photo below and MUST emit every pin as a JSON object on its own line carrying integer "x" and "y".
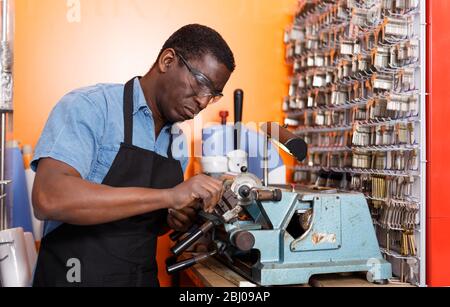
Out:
{"x": 283, "y": 236}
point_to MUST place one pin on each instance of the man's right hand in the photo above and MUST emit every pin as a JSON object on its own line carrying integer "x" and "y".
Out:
{"x": 199, "y": 190}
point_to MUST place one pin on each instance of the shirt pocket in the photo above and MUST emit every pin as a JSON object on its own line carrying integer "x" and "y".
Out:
{"x": 105, "y": 158}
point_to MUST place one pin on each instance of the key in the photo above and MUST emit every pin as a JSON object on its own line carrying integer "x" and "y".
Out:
{"x": 402, "y": 216}
{"x": 411, "y": 133}
{"x": 397, "y": 216}
{"x": 405, "y": 244}
{"x": 374, "y": 187}
{"x": 382, "y": 57}
{"x": 385, "y": 215}
{"x": 412, "y": 243}
{"x": 413, "y": 267}
{"x": 390, "y": 216}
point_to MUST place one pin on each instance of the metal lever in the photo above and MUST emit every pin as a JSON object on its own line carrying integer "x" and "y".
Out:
{"x": 182, "y": 246}
{"x": 238, "y": 109}
{"x": 176, "y": 235}
{"x": 183, "y": 265}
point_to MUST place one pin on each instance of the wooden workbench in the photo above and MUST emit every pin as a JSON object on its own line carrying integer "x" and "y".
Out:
{"x": 212, "y": 273}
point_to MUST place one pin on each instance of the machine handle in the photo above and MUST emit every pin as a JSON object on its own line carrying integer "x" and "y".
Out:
{"x": 267, "y": 195}
{"x": 183, "y": 265}
{"x": 176, "y": 235}
{"x": 238, "y": 110}
{"x": 182, "y": 246}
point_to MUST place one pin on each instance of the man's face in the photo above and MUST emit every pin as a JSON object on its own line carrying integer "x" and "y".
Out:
{"x": 182, "y": 95}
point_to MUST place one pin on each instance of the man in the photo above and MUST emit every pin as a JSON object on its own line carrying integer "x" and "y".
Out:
{"x": 107, "y": 182}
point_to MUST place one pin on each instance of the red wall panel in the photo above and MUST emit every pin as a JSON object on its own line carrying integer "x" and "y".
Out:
{"x": 438, "y": 131}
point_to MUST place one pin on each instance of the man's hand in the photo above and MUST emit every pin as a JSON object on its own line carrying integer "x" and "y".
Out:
{"x": 181, "y": 220}
{"x": 200, "y": 190}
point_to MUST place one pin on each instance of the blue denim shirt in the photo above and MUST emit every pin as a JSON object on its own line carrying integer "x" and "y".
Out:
{"x": 85, "y": 131}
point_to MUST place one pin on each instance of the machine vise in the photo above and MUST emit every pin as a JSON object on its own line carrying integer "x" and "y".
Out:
{"x": 285, "y": 235}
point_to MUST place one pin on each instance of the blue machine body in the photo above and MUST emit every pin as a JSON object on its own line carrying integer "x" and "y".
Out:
{"x": 341, "y": 238}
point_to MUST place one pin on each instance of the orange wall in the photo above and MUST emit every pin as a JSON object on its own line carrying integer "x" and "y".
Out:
{"x": 118, "y": 39}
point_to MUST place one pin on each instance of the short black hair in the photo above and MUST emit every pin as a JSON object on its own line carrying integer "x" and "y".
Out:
{"x": 195, "y": 41}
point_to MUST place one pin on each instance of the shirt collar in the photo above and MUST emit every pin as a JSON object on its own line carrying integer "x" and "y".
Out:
{"x": 139, "y": 101}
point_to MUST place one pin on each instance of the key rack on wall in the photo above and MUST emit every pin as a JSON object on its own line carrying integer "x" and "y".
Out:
{"x": 357, "y": 96}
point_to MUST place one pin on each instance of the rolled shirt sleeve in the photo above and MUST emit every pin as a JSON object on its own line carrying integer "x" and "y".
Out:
{"x": 72, "y": 133}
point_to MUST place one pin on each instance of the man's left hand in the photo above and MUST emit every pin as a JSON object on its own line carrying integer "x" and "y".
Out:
{"x": 181, "y": 220}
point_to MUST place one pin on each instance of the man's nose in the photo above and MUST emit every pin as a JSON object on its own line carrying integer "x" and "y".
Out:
{"x": 202, "y": 102}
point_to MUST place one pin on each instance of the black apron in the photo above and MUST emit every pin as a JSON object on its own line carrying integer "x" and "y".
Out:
{"x": 121, "y": 253}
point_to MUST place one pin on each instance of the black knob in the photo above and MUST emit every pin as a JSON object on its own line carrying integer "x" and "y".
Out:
{"x": 244, "y": 241}
{"x": 277, "y": 195}
{"x": 244, "y": 191}
{"x": 238, "y": 105}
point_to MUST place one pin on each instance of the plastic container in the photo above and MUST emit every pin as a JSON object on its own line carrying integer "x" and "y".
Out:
{"x": 21, "y": 216}
{"x": 214, "y": 165}
{"x": 38, "y": 226}
{"x": 14, "y": 268}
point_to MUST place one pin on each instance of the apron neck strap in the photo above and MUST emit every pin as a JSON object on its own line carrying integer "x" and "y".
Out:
{"x": 169, "y": 150}
{"x": 128, "y": 104}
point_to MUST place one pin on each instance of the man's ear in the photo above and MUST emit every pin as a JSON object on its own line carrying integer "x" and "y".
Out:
{"x": 166, "y": 60}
